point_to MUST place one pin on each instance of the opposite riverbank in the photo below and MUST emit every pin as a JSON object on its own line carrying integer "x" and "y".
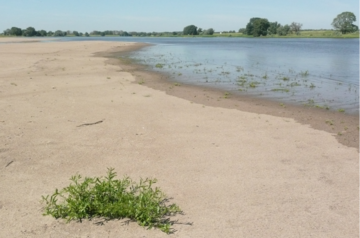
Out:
{"x": 234, "y": 172}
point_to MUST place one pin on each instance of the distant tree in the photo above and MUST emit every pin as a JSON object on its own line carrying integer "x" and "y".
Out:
{"x": 59, "y": 33}
{"x": 15, "y": 31}
{"x": 95, "y": 33}
{"x": 250, "y": 26}
{"x": 30, "y": 31}
{"x": 50, "y": 33}
{"x": 124, "y": 33}
{"x": 272, "y": 30}
{"x": 283, "y": 30}
{"x": 257, "y": 27}
{"x": 295, "y": 28}
{"x": 200, "y": 30}
{"x": 87, "y": 34}
{"x": 209, "y": 31}
{"x": 6, "y": 32}
{"x": 242, "y": 30}
{"x": 190, "y": 30}
{"x": 75, "y": 33}
{"x": 260, "y": 27}
{"x": 344, "y": 22}
{"x": 42, "y": 33}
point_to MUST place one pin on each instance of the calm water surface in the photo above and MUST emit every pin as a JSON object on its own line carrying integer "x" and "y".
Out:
{"x": 316, "y": 72}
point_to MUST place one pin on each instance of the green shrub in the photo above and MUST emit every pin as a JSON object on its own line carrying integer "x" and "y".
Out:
{"x": 112, "y": 199}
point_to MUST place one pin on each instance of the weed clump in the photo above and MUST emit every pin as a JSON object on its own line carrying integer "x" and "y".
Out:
{"x": 112, "y": 199}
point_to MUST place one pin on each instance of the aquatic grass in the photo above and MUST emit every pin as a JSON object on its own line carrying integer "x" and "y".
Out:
{"x": 112, "y": 199}
{"x": 253, "y": 84}
{"x": 304, "y": 73}
{"x": 294, "y": 84}
{"x": 160, "y": 66}
{"x": 280, "y": 90}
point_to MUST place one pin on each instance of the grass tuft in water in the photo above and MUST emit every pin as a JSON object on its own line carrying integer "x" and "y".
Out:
{"x": 112, "y": 199}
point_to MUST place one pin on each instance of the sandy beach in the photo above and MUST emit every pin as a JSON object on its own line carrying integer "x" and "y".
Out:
{"x": 237, "y": 167}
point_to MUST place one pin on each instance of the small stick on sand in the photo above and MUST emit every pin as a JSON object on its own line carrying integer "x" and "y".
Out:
{"x": 9, "y": 163}
{"x": 89, "y": 124}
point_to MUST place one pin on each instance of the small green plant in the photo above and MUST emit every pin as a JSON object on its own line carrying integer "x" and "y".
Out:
{"x": 280, "y": 90}
{"x": 226, "y": 95}
{"x": 112, "y": 199}
{"x": 160, "y": 66}
{"x": 341, "y": 110}
{"x": 253, "y": 84}
{"x": 285, "y": 79}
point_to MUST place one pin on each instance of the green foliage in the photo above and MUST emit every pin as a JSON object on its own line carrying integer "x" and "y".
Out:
{"x": 30, "y": 31}
{"x": 295, "y": 28}
{"x": 344, "y": 22}
{"x": 283, "y": 30}
{"x": 272, "y": 30}
{"x": 112, "y": 199}
{"x": 160, "y": 66}
{"x": 209, "y": 31}
{"x": 190, "y": 30}
{"x": 59, "y": 33}
{"x": 15, "y": 31}
{"x": 257, "y": 27}
{"x": 42, "y": 33}
{"x": 250, "y": 26}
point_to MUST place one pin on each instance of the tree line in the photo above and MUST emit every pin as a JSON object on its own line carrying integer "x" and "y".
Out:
{"x": 256, "y": 27}
{"x": 30, "y": 31}
{"x": 262, "y": 27}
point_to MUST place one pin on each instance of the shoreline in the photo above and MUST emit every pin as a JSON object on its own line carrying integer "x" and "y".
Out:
{"x": 344, "y": 127}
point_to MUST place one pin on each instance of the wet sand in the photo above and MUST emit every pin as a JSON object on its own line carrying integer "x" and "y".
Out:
{"x": 238, "y": 167}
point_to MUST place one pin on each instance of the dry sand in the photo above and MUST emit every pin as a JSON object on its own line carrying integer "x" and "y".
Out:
{"x": 234, "y": 173}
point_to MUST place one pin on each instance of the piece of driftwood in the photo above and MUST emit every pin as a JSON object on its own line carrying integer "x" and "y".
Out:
{"x": 90, "y": 124}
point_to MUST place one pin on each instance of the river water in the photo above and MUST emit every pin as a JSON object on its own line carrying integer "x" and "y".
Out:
{"x": 320, "y": 73}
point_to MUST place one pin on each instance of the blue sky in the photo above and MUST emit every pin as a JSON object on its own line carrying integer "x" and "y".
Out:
{"x": 167, "y": 15}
